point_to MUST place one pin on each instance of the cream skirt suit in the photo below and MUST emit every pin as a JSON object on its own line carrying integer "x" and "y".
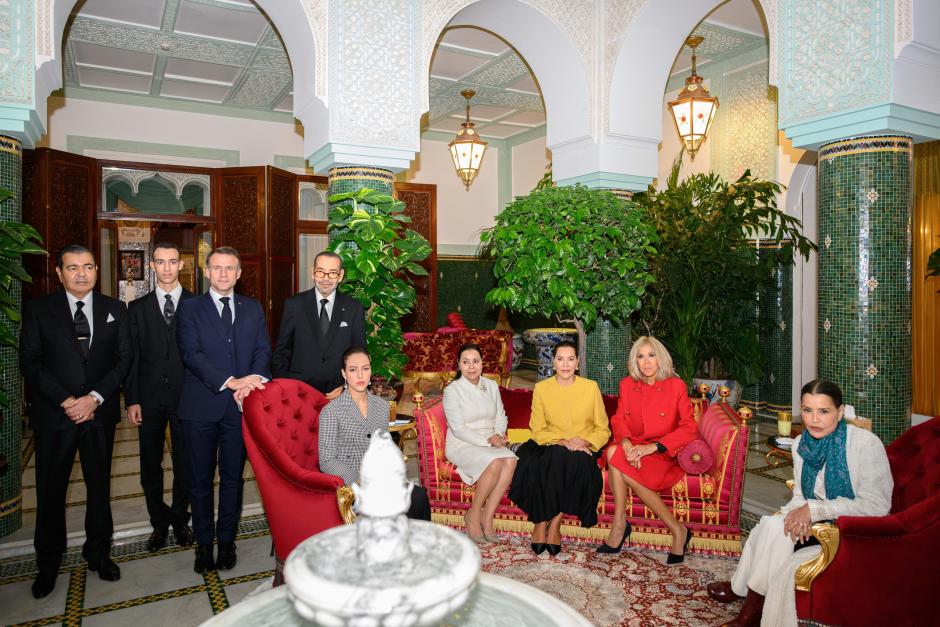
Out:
{"x": 474, "y": 414}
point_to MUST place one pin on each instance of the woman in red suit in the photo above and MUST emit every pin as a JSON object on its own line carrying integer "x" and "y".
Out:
{"x": 653, "y": 422}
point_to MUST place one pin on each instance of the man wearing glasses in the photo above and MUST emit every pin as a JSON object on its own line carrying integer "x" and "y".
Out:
{"x": 316, "y": 329}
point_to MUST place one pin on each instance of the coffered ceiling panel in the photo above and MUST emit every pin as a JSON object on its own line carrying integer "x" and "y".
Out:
{"x": 244, "y": 24}
{"x": 149, "y": 13}
{"x": 176, "y": 68}
{"x": 136, "y": 83}
{"x": 454, "y": 65}
{"x": 104, "y": 56}
{"x": 193, "y": 91}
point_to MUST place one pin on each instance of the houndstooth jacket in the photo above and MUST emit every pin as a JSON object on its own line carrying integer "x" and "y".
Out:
{"x": 344, "y": 434}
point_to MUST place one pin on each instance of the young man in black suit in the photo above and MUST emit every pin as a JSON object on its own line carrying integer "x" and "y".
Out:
{"x": 223, "y": 340}
{"x": 152, "y": 394}
{"x": 74, "y": 353}
{"x": 317, "y": 327}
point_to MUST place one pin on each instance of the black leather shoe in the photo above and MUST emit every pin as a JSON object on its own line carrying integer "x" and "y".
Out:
{"x": 227, "y": 558}
{"x": 204, "y": 562}
{"x": 553, "y": 549}
{"x": 44, "y": 583}
{"x": 538, "y": 547}
{"x": 106, "y": 568}
{"x": 610, "y": 550}
{"x": 183, "y": 535}
{"x": 721, "y": 591}
{"x": 672, "y": 558}
{"x": 157, "y": 540}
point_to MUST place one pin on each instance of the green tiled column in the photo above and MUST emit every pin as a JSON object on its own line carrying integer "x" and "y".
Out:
{"x": 864, "y": 316}
{"x": 608, "y": 350}
{"x": 351, "y": 178}
{"x": 11, "y": 486}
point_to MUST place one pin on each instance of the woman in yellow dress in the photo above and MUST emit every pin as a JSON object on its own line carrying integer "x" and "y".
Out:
{"x": 557, "y": 472}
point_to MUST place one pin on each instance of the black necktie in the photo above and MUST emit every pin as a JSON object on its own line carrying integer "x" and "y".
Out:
{"x": 324, "y": 317}
{"x": 168, "y": 309}
{"x": 82, "y": 329}
{"x": 226, "y": 315}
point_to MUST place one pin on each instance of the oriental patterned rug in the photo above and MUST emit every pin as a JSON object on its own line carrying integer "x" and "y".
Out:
{"x": 634, "y": 588}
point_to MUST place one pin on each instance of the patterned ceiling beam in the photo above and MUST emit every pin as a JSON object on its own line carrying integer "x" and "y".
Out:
{"x": 139, "y": 39}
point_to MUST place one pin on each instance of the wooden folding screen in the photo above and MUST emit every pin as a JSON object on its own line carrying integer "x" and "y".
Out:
{"x": 421, "y": 203}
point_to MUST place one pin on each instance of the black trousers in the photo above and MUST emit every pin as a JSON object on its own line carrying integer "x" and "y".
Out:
{"x": 55, "y": 456}
{"x": 420, "y": 508}
{"x": 210, "y": 444}
{"x": 151, "y": 434}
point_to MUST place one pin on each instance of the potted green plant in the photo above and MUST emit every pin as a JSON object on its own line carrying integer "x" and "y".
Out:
{"x": 570, "y": 252}
{"x": 380, "y": 256}
{"x": 16, "y": 239}
{"x": 933, "y": 264}
{"x": 708, "y": 272}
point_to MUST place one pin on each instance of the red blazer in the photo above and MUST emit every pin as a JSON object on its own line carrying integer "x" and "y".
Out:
{"x": 661, "y": 412}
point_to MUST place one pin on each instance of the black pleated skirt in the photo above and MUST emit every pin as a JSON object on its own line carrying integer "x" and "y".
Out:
{"x": 551, "y": 479}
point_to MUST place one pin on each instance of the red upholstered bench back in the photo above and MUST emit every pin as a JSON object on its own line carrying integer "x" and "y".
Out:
{"x": 915, "y": 465}
{"x": 518, "y": 406}
{"x": 283, "y": 418}
{"x": 719, "y": 428}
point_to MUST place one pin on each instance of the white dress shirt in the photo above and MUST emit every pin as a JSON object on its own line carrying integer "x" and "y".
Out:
{"x": 329, "y": 305}
{"x": 174, "y": 296}
{"x": 87, "y": 310}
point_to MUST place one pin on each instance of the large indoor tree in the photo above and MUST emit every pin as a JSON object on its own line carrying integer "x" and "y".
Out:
{"x": 573, "y": 253}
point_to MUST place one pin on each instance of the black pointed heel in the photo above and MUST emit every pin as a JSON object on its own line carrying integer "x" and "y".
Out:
{"x": 553, "y": 549}
{"x": 538, "y": 547}
{"x": 672, "y": 558}
{"x": 611, "y": 550}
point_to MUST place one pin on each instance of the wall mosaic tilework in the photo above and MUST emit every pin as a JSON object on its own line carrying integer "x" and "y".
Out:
{"x": 11, "y": 510}
{"x": 864, "y": 309}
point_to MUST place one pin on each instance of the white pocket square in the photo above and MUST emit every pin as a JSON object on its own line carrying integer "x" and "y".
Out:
{"x": 343, "y": 324}
{"x": 110, "y": 318}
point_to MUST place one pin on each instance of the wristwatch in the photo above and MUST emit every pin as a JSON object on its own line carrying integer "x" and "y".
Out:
{"x": 660, "y": 448}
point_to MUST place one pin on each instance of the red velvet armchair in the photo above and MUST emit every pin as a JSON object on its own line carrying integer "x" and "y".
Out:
{"x": 882, "y": 570}
{"x": 280, "y": 429}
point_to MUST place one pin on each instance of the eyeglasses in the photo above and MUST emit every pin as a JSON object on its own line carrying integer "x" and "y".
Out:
{"x": 332, "y": 274}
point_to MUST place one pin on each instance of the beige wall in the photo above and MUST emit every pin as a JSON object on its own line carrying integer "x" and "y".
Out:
{"x": 528, "y": 165}
{"x": 256, "y": 141}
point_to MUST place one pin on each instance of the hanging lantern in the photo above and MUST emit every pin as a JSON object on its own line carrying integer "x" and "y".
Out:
{"x": 694, "y": 109}
{"x": 467, "y": 149}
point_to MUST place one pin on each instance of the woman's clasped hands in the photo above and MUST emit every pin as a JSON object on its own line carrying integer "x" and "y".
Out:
{"x": 498, "y": 441}
{"x": 634, "y": 453}
{"x": 576, "y": 444}
{"x": 798, "y": 524}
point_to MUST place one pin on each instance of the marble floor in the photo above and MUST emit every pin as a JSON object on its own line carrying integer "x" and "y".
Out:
{"x": 162, "y": 589}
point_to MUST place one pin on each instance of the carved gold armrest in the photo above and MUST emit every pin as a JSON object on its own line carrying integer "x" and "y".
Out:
{"x": 345, "y": 499}
{"x": 828, "y": 536}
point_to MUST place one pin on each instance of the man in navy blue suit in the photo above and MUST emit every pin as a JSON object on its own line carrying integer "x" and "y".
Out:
{"x": 223, "y": 340}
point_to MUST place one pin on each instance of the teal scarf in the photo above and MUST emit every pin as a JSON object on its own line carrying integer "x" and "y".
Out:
{"x": 828, "y": 451}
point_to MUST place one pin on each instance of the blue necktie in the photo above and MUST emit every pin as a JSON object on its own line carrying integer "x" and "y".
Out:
{"x": 226, "y": 315}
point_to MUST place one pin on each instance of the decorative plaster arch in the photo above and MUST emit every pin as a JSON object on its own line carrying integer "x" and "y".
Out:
{"x": 642, "y": 65}
{"x": 553, "y": 57}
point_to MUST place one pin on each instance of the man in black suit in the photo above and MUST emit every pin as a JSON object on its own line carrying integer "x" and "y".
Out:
{"x": 223, "y": 340}
{"x": 152, "y": 394}
{"x": 74, "y": 353}
{"x": 317, "y": 327}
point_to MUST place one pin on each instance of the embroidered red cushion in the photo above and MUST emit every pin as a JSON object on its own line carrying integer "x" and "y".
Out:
{"x": 696, "y": 457}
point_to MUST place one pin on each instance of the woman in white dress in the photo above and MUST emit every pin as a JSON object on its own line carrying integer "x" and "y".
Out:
{"x": 838, "y": 471}
{"x": 477, "y": 442}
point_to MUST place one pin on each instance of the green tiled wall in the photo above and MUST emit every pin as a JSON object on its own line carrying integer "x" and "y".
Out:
{"x": 608, "y": 350}
{"x": 864, "y": 307}
{"x": 11, "y": 508}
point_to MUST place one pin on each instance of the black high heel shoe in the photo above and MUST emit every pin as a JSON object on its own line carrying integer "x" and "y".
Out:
{"x": 610, "y": 550}
{"x": 672, "y": 558}
{"x": 553, "y": 549}
{"x": 538, "y": 547}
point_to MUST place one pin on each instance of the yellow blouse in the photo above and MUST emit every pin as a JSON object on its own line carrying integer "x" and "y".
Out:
{"x": 563, "y": 412}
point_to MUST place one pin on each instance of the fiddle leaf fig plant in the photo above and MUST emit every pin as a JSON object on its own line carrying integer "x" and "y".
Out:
{"x": 709, "y": 275}
{"x": 16, "y": 239}
{"x": 570, "y": 252}
{"x": 380, "y": 255}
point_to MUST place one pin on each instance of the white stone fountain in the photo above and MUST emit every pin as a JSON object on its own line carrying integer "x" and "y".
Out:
{"x": 386, "y": 570}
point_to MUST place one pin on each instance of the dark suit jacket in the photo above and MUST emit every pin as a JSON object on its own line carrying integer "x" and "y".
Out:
{"x": 301, "y": 354}
{"x": 53, "y": 365}
{"x": 210, "y": 359}
{"x": 155, "y": 378}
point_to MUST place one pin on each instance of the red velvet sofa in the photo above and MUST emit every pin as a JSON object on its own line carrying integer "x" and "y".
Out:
{"x": 280, "y": 429}
{"x": 710, "y": 504}
{"x": 883, "y": 570}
